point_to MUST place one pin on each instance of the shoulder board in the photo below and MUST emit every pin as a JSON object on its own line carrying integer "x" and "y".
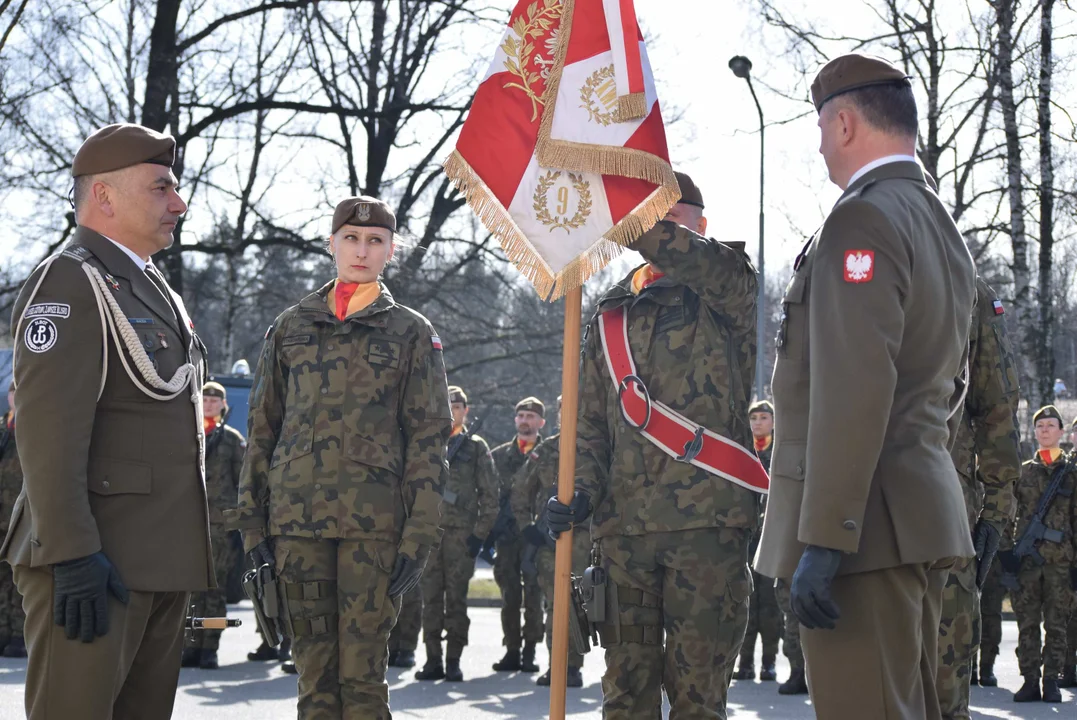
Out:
{"x": 855, "y": 194}
{"x": 77, "y": 252}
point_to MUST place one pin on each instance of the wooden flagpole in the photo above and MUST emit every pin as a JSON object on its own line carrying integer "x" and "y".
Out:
{"x": 566, "y": 486}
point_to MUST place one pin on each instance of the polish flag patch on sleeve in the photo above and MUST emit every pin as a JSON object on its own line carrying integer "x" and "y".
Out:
{"x": 999, "y": 310}
{"x": 435, "y": 341}
{"x": 859, "y": 266}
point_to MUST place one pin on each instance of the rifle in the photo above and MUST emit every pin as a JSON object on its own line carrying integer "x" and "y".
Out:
{"x": 217, "y": 623}
{"x": 1035, "y": 531}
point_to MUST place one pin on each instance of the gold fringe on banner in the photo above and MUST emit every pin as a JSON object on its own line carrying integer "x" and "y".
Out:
{"x": 632, "y": 106}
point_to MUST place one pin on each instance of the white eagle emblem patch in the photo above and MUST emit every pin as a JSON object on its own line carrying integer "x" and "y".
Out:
{"x": 859, "y": 266}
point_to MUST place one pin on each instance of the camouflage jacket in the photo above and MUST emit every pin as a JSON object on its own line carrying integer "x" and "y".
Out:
{"x": 692, "y": 334}
{"x": 1062, "y": 515}
{"x": 471, "y": 492}
{"x": 347, "y": 428}
{"x": 509, "y": 461}
{"x": 986, "y": 452}
{"x": 10, "y": 473}
{"x": 224, "y": 462}
{"x": 537, "y": 482}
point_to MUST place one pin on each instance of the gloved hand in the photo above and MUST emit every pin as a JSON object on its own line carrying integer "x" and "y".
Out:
{"x": 405, "y": 575}
{"x": 810, "y": 590}
{"x": 533, "y": 536}
{"x": 985, "y": 539}
{"x": 80, "y": 590}
{"x": 561, "y": 518}
{"x": 474, "y": 546}
{"x": 261, "y": 554}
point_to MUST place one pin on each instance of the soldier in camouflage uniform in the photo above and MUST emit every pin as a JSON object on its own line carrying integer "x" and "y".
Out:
{"x": 764, "y": 615}
{"x": 224, "y": 459}
{"x": 12, "y": 616}
{"x": 341, "y": 485}
{"x": 468, "y": 512}
{"x": 528, "y": 501}
{"x": 1046, "y": 592}
{"x": 986, "y": 443}
{"x": 517, "y": 590}
{"x": 991, "y": 596}
{"x": 405, "y": 635}
{"x": 672, "y": 537}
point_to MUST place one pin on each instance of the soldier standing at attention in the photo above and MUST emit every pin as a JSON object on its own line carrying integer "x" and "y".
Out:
{"x": 764, "y": 615}
{"x": 224, "y": 459}
{"x": 874, "y": 337}
{"x": 1046, "y": 592}
{"x": 111, "y": 531}
{"x": 517, "y": 590}
{"x": 468, "y": 510}
{"x": 987, "y": 441}
{"x": 12, "y": 617}
{"x": 664, "y": 465}
{"x": 342, "y": 481}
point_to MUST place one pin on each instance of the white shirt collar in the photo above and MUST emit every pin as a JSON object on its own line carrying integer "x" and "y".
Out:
{"x": 878, "y": 163}
{"x": 139, "y": 262}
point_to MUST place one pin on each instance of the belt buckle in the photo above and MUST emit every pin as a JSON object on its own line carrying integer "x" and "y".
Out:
{"x": 692, "y": 447}
{"x": 621, "y": 388}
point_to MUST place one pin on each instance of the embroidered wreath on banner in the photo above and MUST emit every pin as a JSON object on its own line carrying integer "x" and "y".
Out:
{"x": 601, "y": 88}
{"x": 541, "y": 16}
{"x": 559, "y": 221}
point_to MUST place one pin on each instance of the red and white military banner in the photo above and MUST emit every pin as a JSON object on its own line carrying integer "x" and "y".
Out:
{"x": 563, "y": 156}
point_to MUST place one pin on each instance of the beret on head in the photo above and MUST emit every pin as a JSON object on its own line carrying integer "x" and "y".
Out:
{"x": 457, "y": 394}
{"x": 115, "y": 147}
{"x": 1047, "y": 412}
{"x": 214, "y": 389}
{"x": 531, "y": 404}
{"x": 852, "y": 72}
{"x": 364, "y": 211}
{"x": 690, "y": 194}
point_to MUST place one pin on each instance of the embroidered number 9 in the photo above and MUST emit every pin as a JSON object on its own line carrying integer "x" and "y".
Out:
{"x": 562, "y": 201}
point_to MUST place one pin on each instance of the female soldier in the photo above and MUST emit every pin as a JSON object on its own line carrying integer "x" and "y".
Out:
{"x": 341, "y": 485}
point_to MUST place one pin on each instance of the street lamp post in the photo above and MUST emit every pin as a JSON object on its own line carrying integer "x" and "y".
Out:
{"x": 742, "y": 68}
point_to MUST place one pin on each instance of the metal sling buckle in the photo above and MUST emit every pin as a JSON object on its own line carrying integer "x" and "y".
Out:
{"x": 622, "y": 388}
{"x": 692, "y": 447}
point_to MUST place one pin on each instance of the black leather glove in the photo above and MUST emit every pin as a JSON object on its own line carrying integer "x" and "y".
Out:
{"x": 810, "y": 590}
{"x": 261, "y": 554}
{"x": 985, "y": 539}
{"x": 405, "y": 575}
{"x": 561, "y": 518}
{"x": 474, "y": 546}
{"x": 80, "y": 590}
{"x": 533, "y": 536}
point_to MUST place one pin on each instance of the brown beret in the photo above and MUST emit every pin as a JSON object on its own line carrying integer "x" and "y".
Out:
{"x": 1047, "y": 412}
{"x": 364, "y": 211}
{"x": 690, "y": 194}
{"x": 457, "y": 394}
{"x": 761, "y": 406}
{"x": 214, "y": 389}
{"x": 115, "y": 147}
{"x": 531, "y": 404}
{"x": 852, "y": 72}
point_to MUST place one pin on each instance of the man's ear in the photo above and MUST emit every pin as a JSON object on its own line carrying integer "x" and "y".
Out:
{"x": 701, "y": 226}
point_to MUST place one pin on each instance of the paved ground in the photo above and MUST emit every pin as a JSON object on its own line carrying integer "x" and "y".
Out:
{"x": 241, "y": 690}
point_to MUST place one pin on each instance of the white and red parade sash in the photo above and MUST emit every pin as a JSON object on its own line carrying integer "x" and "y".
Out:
{"x": 671, "y": 432}
{"x": 563, "y": 156}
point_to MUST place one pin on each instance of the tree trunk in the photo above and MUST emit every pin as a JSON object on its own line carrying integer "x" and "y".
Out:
{"x": 1045, "y": 357}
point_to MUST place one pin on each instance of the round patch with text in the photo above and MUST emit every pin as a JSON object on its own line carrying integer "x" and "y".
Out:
{"x": 40, "y": 335}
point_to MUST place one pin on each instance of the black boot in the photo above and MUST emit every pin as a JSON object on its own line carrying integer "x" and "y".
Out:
{"x": 575, "y": 677}
{"x": 527, "y": 660}
{"x": 987, "y": 673}
{"x": 1067, "y": 679}
{"x": 453, "y": 673}
{"x": 191, "y": 657}
{"x": 263, "y": 653}
{"x": 433, "y": 670}
{"x": 795, "y": 685}
{"x": 746, "y": 670}
{"x": 974, "y": 676}
{"x": 1030, "y": 691}
{"x": 402, "y": 659}
{"x": 16, "y": 648}
{"x": 289, "y": 668}
{"x": 509, "y": 663}
{"x": 543, "y": 679}
{"x": 284, "y": 654}
{"x": 1051, "y": 693}
{"x": 208, "y": 660}
{"x": 767, "y": 670}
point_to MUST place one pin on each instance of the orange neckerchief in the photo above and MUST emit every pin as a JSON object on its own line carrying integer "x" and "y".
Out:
{"x": 9, "y": 420}
{"x": 525, "y": 446}
{"x": 456, "y": 430}
{"x": 1048, "y": 456}
{"x": 644, "y": 277}
{"x": 761, "y": 444}
{"x": 209, "y": 424}
{"x": 349, "y": 298}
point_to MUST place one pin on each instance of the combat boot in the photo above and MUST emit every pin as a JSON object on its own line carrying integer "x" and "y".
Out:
{"x": 527, "y": 660}
{"x": 1068, "y": 679}
{"x": 263, "y": 653}
{"x": 433, "y": 670}
{"x": 974, "y": 675}
{"x": 767, "y": 670}
{"x": 543, "y": 679}
{"x": 746, "y": 670}
{"x": 575, "y": 677}
{"x": 289, "y": 668}
{"x": 402, "y": 659}
{"x": 795, "y": 685}
{"x": 208, "y": 660}
{"x": 16, "y": 648}
{"x": 987, "y": 673}
{"x": 1051, "y": 693}
{"x": 191, "y": 657}
{"x": 453, "y": 673}
{"x": 285, "y": 652}
{"x": 1029, "y": 692}
{"x": 509, "y": 663}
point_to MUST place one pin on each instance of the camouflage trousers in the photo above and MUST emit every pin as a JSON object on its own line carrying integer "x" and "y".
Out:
{"x": 764, "y": 620}
{"x": 212, "y": 603}
{"x": 409, "y": 621}
{"x": 517, "y": 591}
{"x": 1045, "y": 596}
{"x": 1071, "y": 638}
{"x": 959, "y": 636}
{"x": 991, "y": 595}
{"x": 677, "y": 606}
{"x": 339, "y": 618}
{"x": 12, "y": 617}
{"x": 444, "y": 586}
{"x": 545, "y": 561}
{"x": 791, "y": 633}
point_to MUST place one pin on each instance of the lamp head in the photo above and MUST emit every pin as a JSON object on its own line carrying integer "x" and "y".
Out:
{"x": 741, "y": 66}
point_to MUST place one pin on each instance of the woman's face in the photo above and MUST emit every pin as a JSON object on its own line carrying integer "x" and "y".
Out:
{"x": 361, "y": 253}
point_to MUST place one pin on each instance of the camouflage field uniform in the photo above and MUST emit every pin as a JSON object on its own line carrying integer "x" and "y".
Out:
{"x": 991, "y": 597}
{"x": 1045, "y": 594}
{"x": 516, "y": 590}
{"x": 765, "y": 619}
{"x": 224, "y": 461}
{"x": 473, "y": 482}
{"x": 672, "y": 537}
{"x": 344, "y": 470}
{"x": 12, "y": 616}
{"x": 529, "y": 500}
{"x": 791, "y": 632}
{"x": 409, "y": 621}
{"x": 985, "y": 454}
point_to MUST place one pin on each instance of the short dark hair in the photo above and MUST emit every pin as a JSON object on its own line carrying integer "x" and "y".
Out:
{"x": 890, "y": 108}
{"x": 79, "y": 193}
